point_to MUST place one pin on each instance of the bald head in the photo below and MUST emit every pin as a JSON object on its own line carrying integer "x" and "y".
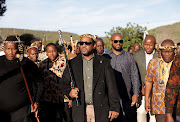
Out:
{"x": 167, "y": 50}
{"x": 167, "y": 43}
{"x": 149, "y": 44}
{"x": 150, "y": 37}
{"x": 116, "y": 35}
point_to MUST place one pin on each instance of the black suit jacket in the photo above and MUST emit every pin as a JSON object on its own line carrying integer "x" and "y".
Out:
{"x": 105, "y": 94}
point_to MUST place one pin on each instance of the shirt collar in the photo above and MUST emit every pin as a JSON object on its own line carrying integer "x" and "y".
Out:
{"x": 89, "y": 59}
{"x": 111, "y": 52}
{"x": 150, "y": 54}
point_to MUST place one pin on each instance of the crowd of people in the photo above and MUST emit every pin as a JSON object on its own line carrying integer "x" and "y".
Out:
{"x": 89, "y": 83}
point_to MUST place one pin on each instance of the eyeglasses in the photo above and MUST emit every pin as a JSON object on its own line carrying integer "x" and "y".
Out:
{"x": 116, "y": 41}
{"x": 86, "y": 43}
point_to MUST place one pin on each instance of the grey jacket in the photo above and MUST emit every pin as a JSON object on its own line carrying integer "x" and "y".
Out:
{"x": 140, "y": 59}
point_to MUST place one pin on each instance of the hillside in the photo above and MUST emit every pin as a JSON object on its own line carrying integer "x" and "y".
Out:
{"x": 161, "y": 33}
{"x": 167, "y": 32}
{"x": 51, "y": 36}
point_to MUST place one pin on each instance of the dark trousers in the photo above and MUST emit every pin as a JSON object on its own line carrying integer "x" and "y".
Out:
{"x": 67, "y": 113}
{"x": 51, "y": 112}
{"x": 127, "y": 114}
{"x": 130, "y": 116}
{"x": 20, "y": 115}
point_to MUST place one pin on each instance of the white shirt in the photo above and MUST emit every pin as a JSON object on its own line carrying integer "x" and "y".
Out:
{"x": 2, "y": 53}
{"x": 149, "y": 57}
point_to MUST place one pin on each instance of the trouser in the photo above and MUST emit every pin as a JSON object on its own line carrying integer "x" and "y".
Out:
{"x": 160, "y": 117}
{"x": 68, "y": 113}
{"x": 51, "y": 112}
{"x": 20, "y": 115}
{"x": 90, "y": 116}
{"x": 142, "y": 113}
{"x": 127, "y": 113}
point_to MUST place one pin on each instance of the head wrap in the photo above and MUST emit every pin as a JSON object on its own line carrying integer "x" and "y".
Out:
{"x": 167, "y": 47}
{"x": 88, "y": 35}
{"x": 32, "y": 47}
{"x": 12, "y": 39}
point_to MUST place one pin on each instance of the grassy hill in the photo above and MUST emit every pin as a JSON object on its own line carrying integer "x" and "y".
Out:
{"x": 161, "y": 33}
{"x": 167, "y": 32}
{"x": 51, "y": 36}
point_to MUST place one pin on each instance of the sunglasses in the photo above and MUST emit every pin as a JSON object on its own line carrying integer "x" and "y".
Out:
{"x": 116, "y": 41}
{"x": 86, "y": 43}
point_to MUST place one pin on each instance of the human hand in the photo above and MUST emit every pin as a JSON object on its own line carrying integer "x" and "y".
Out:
{"x": 70, "y": 103}
{"x": 143, "y": 91}
{"x": 112, "y": 115}
{"x": 147, "y": 105}
{"x": 74, "y": 93}
{"x": 34, "y": 109}
{"x": 134, "y": 99}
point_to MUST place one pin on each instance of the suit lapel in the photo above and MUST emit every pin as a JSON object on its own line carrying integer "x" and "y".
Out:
{"x": 144, "y": 61}
{"x": 78, "y": 66}
{"x": 97, "y": 66}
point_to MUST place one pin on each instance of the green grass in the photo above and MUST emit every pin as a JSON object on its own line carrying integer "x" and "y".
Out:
{"x": 161, "y": 33}
{"x": 51, "y": 36}
{"x": 167, "y": 32}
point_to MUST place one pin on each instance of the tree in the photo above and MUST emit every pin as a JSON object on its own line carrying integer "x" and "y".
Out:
{"x": 131, "y": 33}
{"x": 2, "y": 7}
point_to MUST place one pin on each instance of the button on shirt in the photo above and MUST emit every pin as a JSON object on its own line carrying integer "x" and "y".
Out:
{"x": 125, "y": 64}
{"x": 88, "y": 79}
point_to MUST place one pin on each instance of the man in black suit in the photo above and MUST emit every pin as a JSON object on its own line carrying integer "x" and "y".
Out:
{"x": 95, "y": 89}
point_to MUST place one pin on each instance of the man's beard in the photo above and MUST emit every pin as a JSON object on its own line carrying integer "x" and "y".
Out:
{"x": 120, "y": 49}
{"x": 88, "y": 53}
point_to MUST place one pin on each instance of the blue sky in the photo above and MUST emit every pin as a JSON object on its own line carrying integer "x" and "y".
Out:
{"x": 88, "y": 16}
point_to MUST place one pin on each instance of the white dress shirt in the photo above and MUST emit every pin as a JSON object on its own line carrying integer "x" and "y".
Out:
{"x": 2, "y": 53}
{"x": 149, "y": 57}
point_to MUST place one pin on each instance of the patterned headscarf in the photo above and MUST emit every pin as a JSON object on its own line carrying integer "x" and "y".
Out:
{"x": 93, "y": 37}
{"x": 168, "y": 47}
{"x": 14, "y": 39}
